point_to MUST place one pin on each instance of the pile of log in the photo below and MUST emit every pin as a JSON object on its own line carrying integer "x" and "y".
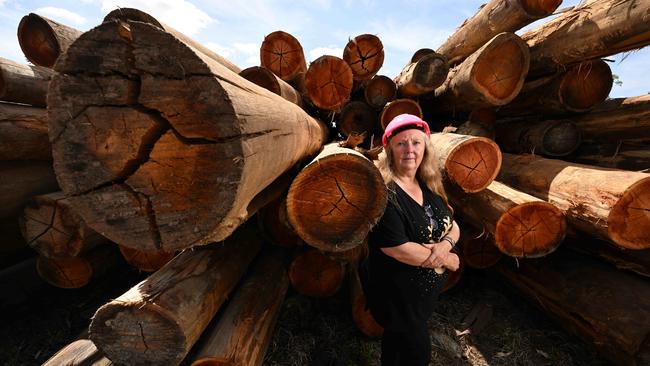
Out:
{"x": 155, "y": 147}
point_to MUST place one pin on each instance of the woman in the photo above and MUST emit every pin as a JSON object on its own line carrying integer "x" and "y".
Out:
{"x": 410, "y": 248}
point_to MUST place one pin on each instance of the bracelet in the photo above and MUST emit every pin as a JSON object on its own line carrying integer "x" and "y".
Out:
{"x": 450, "y": 240}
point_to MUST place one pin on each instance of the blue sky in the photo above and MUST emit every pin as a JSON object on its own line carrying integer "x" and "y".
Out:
{"x": 235, "y": 28}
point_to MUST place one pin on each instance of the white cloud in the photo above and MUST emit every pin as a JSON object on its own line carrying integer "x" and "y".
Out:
{"x": 320, "y": 51}
{"x": 220, "y": 50}
{"x": 2, "y": 3}
{"x": 247, "y": 48}
{"x": 63, "y": 15}
{"x": 180, "y": 14}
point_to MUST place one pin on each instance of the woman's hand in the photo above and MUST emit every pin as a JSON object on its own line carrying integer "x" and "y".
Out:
{"x": 451, "y": 262}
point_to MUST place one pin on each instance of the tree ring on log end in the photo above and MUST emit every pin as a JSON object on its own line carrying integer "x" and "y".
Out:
{"x": 69, "y": 273}
{"x": 585, "y": 85}
{"x": 561, "y": 138}
{"x": 530, "y": 230}
{"x": 357, "y": 117}
{"x": 628, "y": 223}
{"x": 37, "y": 40}
{"x": 145, "y": 260}
{"x": 397, "y": 107}
{"x": 283, "y": 55}
{"x": 316, "y": 275}
{"x": 262, "y": 77}
{"x": 540, "y": 8}
{"x": 380, "y": 90}
{"x": 365, "y": 56}
{"x": 474, "y": 164}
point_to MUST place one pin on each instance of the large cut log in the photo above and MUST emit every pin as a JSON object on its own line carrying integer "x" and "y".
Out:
{"x": 550, "y": 138}
{"x": 131, "y": 14}
{"x": 619, "y": 118}
{"x": 282, "y": 53}
{"x": 24, "y": 84}
{"x": 357, "y": 117}
{"x": 21, "y": 181}
{"x": 163, "y": 155}
{"x": 23, "y": 133}
{"x": 43, "y": 40}
{"x": 52, "y": 228}
{"x": 491, "y": 19}
{"x": 397, "y": 107}
{"x": 468, "y": 162}
{"x": 336, "y": 199}
{"x": 81, "y": 352}
{"x": 314, "y": 274}
{"x": 157, "y": 321}
{"x": 361, "y": 315}
{"x": 610, "y": 204}
{"x": 618, "y": 154}
{"x": 606, "y": 307}
{"x": 593, "y": 29}
{"x": 422, "y": 76}
{"x": 77, "y": 272}
{"x": 365, "y": 55}
{"x": 523, "y": 226}
{"x": 243, "y": 331}
{"x": 146, "y": 260}
{"x": 491, "y": 76}
{"x": 271, "y": 82}
{"x": 328, "y": 82}
{"x": 380, "y": 90}
{"x": 275, "y": 225}
{"x": 636, "y": 261}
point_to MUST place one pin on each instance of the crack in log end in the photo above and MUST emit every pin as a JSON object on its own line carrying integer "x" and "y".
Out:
{"x": 144, "y": 342}
{"x": 150, "y": 213}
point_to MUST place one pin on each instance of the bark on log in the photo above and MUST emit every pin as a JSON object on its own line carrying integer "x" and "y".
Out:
{"x": 24, "y": 84}
{"x": 52, "y": 228}
{"x": 336, "y": 199}
{"x": 43, "y": 40}
{"x": 328, "y": 82}
{"x": 549, "y": 138}
{"x": 314, "y": 274}
{"x": 275, "y": 225}
{"x": 594, "y": 29}
{"x": 491, "y": 19}
{"x": 146, "y": 261}
{"x": 397, "y": 107}
{"x": 491, "y": 76}
{"x": 268, "y": 80}
{"x": 619, "y": 154}
{"x": 422, "y": 76}
{"x": 636, "y": 261}
{"x": 21, "y": 181}
{"x": 610, "y": 204}
{"x": 361, "y": 315}
{"x": 77, "y": 272}
{"x": 243, "y": 332}
{"x": 619, "y": 118}
{"x": 23, "y": 133}
{"x": 523, "y": 226}
{"x": 357, "y": 117}
{"x": 600, "y": 304}
{"x": 380, "y": 90}
{"x": 468, "y": 162}
{"x": 81, "y": 352}
{"x": 365, "y": 56}
{"x": 282, "y": 53}
{"x": 176, "y": 156}
{"x": 173, "y": 306}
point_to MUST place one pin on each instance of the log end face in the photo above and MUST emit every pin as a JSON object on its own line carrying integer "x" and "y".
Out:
{"x": 262, "y": 77}
{"x": 67, "y": 273}
{"x": 431, "y": 71}
{"x": 474, "y": 164}
{"x": 540, "y": 8}
{"x": 480, "y": 253}
{"x": 586, "y": 85}
{"x": 365, "y": 56}
{"x": 37, "y": 40}
{"x": 316, "y": 275}
{"x": 283, "y": 55}
{"x": 628, "y": 223}
{"x": 328, "y": 82}
{"x": 380, "y": 90}
{"x": 561, "y": 139}
{"x": 397, "y": 107}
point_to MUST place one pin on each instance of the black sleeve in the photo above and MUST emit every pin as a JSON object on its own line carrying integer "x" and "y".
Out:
{"x": 390, "y": 231}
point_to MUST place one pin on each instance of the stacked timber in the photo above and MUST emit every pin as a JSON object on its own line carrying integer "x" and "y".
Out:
{"x": 43, "y": 40}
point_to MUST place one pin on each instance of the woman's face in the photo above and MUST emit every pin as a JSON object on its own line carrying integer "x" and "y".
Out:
{"x": 408, "y": 150}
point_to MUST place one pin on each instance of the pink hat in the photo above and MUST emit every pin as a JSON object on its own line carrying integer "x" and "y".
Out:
{"x": 404, "y": 122}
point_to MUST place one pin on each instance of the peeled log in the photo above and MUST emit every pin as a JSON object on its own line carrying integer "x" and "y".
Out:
{"x": 523, "y": 226}
{"x": 491, "y": 76}
{"x": 283, "y": 55}
{"x": 76, "y": 272}
{"x": 328, "y": 82}
{"x": 606, "y": 203}
{"x": 619, "y": 118}
{"x": 23, "y": 133}
{"x": 379, "y": 91}
{"x": 243, "y": 332}
{"x": 21, "y": 181}
{"x": 173, "y": 155}
{"x": 422, "y": 76}
{"x": 591, "y": 30}
{"x": 397, "y": 107}
{"x": 357, "y": 117}
{"x": 146, "y": 261}
{"x": 43, "y": 40}
{"x": 268, "y": 80}
{"x": 468, "y": 162}
{"x": 316, "y": 275}
{"x": 82, "y": 352}
{"x": 550, "y": 138}
{"x": 602, "y": 305}
{"x": 336, "y": 199}
{"x": 173, "y": 306}
{"x": 361, "y": 315}
{"x": 24, "y": 84}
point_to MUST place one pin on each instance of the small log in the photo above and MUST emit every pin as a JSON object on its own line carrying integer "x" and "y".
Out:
{"x": 268, "y": 80}
{"x": 77, "y": 272}
{"x": 52, "y": 228}
{"x": 593, "y": 29}
{"x": 606, "y": 203}
{"x": 328, "y": 82}
{"x": 468, "y": 162}
{"x": 357, "y": 117}
{"x": 491, "y": 19}
{"x": 365, "y": 55}
{"x": 24, "y": 84}
{"x": 336, "y": 199}
{"x": 618, "y": 154}
{"x": 275, "y": 225}
{"x": 417, "y": 55}
{"x": 619, "y": 118}
{"x": 397, "y": 107}
{"x": 43, "y": 40}
{"x": 314, "y": 274}
{"x": 478, "y": 249}
{"x": 243, "y": 332}
{"x": 635, "y": 261}
{"x": 173, "y": 306}
{"x": 21, "y": 181}
{"x": 422, "y": 76}
{"x": 146, "y": 260}
{"x": 491, "y": 76}
{"x": 361, "y": 315}
{"x": 380, "y": 90}
{"x": 81, "y": 352}
{"x": 523, "y": 226}
{"x": 549, "y": 138}
{"x": 283, "y": 55}
{"x": 23, "y": 133}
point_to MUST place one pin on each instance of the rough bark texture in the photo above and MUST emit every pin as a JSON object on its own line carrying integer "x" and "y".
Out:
{"x": 157, "y": 321}
{"x": 328, "y": 82}
{"x": 365, "y": 55}
{"x": 82, "y": 352}
{"x": 77, "y": 272}
{"x": 610, "y": 204}
{"x": 21, "y": 181}
{"x": 361, "y": 315}
{"x": 23, "y": 133}
{"x": 619, "y": 118}
{"x": 25, "y": 84}
{"x": 380, "y": 90}
{"x": 43, "y": 40}
{"x": 268, "y": 80}
{"x": 146, "y": 261}
{"x": 336, "y": 199}
{"x": 491, "y": 19}
{"x": 316, "y": 275}
{"x": 357, "y": 117}
{"x": 243, "y": 332}
{"x": 162, "y": 147}
{"x": 397, "y": 107}
{"x": 282, "y": 53}
{"x": 550, "y": 138}
{"x": 422, "y": 76}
